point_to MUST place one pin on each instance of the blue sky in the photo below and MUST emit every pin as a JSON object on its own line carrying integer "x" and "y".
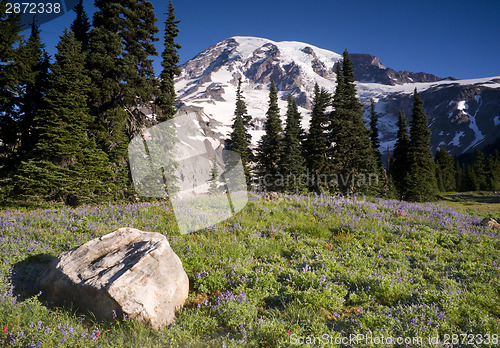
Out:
{"x": 446, "y": 38}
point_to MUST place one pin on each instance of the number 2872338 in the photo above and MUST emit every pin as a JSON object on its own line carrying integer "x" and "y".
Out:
{"x": 33, "y": 7}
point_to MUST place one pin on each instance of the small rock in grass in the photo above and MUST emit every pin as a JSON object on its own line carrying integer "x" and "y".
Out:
{"x": 490, "y": 223}
{"x": 127, "y": 271}
{"x": 272, "y": 196}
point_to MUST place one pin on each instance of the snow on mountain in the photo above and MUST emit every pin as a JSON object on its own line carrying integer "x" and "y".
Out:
{"x": 462, "y": 113}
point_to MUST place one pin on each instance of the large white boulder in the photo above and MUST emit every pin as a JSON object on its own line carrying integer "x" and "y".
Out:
{"x": 128, "y": 271}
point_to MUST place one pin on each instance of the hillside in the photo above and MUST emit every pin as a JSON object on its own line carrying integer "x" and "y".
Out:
{"x": 276, "y": 272}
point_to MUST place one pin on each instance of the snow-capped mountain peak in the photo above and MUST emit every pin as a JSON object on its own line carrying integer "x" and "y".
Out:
{"x": 209, "y": 81}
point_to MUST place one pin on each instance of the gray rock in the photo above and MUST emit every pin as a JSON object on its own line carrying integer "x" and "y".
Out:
{"x": 127, "y": 271}
{"x": 490, "y": 223}
{"x": 272, "y": 196}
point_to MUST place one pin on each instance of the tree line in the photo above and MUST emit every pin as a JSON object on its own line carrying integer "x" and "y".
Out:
{"x": 65, "y": 126}
{"x": 339, "y": 154}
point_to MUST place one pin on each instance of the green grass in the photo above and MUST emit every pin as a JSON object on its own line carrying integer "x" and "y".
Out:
{"x": 275, "y": 272}
{"x": 486, "y": 204}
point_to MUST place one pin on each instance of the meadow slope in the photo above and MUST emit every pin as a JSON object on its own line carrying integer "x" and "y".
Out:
{"x": 276, "y": 274}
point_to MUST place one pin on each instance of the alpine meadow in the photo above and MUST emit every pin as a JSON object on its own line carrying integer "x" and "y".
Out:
{"x": 261, "y": 194}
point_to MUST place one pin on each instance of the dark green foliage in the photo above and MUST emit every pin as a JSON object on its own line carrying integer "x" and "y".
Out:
{"x": 121, "y": 44}
{"x": 353, "y": 156}
{"x": 479, "y": 169}
{"x": 317, "y": 143}
{"x": 81, "y": 25}
{"x": 478, "y": 172}
{"x": 31, "y": 101}
{"x": 422, "y": 185}
{"x": 138, "y": 34}
{"x": 65, "y": 164}
{"x": 10, "y": 38}
{"x": 459, "y": 175}
{"x": 105, "y": 95}
{"x": 292, "y": 165}
{"x": 445, "y": 170}
{"x": 241, "y": 107}
{"x": 165, "y": 100}
{"x": 470, "y": 182}
{"x": 374, "y": 136}
{"x": 493, "y": 171}
{"x": 214, "y": 178}
{"x": 269, "y": 148}
{"x": 401, "y": 165}
{"x": 24, "y": 67}
{"x": 10, "y": 85}
{"x": 239, "y": 140}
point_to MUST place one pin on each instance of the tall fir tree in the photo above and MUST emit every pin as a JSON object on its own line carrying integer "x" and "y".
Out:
{"x": 422, "y": 185}
{"x": 459, "y": 177}
{"x": 81, "y": 25}
{"x": 11, "y": 71}
{"x": 65, "y": 164}
{"x": 445, "y": 170}
{"x": 269, "y": 147}
{"x": 214, "y": 178}
{"x": 400, "y": 169}
{"x": 121, "y": 45}
{"x": 105, "y": 46}
{"x": 374, "y": 134}
{"x": 480, "y": 171}
{"x": 139, "y": 36}
{"x": 317, "y": 143}
{"x": 493, "y": 171}
{"x": 470, "y": 179}
{"x": 353, "y": 157}
{"x": 31, "y": 100}
{"x": 23, "y": 74}
{"x": 165, "y": 101}
{"x": 241, "y": 106}
{"x": 239, "y": 140}
{"x": 292, "y": 165}
{"x": 121, "y": 66}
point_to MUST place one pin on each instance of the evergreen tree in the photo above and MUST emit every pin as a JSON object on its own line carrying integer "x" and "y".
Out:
{"x": 317, "y": 143}
{"x": 239, "y": 140}
{"x": 31, "y": 100}
{"x": 292, "y": 164}
{"x": 23, "y": 73}
{"x": 241, "y": 106}
{"x": 105, "y": 46}
{"x": 470, "y": 179}
{"x": 165, "y": 100}
{"x": 121, "y": 45}
{"x": 214, "y": 178}
{"x": 123, "y": 79}
{"x": 439, "y": 177}
{"x": 81, "y": 25}
{"x": 422, "y": 184}
{"x": 353, "y": 155}
{"x": 269, "y": 147}
{"x": 401, "y": 165}
{"x": 139, "y": 36}
{"x": 10, "y": 85}
{"x": 374, "y": 136}
{"x": 65, "y": 164}
{"x": 445, "y": 170}
{"x": 459, "y": 176}
{"x": 480, "y": 171}
{"x": 493, "y": 171}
